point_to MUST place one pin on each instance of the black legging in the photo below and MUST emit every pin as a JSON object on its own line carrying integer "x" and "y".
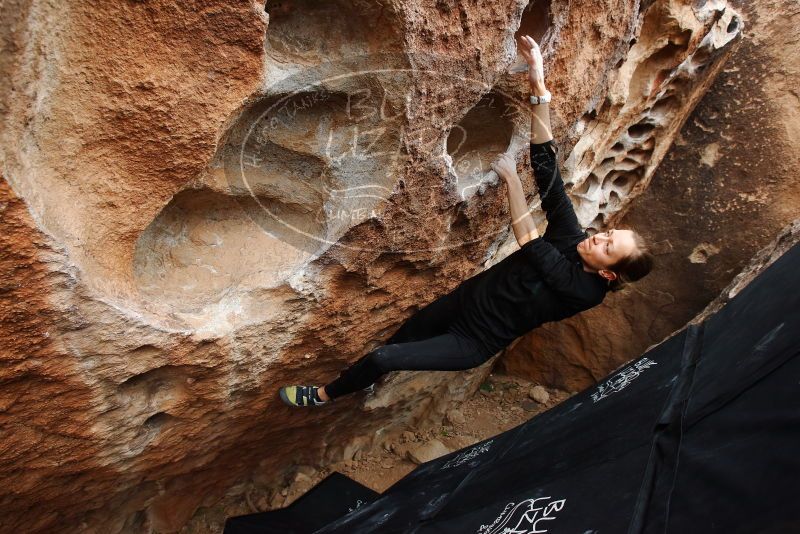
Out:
{"x": 423, "y": 342}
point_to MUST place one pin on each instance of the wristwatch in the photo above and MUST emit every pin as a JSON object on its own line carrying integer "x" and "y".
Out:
{"x": 544, "y": 99}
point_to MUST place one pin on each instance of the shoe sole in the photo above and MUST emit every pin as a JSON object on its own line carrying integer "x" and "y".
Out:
{"x": 285, "y": 399}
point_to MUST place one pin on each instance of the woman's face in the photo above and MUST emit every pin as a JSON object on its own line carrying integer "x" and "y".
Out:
{"x": 603, "y": 250}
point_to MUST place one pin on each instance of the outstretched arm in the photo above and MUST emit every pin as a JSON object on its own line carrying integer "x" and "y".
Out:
{"x": 540, "y": 114}
{"x": 521, "y": 220}
{"x": 561, "y": 219}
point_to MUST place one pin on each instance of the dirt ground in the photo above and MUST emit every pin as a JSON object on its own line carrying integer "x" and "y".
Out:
{"x": 501, "y": 403}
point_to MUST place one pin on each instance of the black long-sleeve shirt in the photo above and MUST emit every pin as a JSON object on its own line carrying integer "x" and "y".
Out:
{"x": 543, "y": 281}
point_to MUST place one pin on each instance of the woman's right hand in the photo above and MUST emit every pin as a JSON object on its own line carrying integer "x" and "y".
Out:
{"x": 505, "y": 167}
{"x": 533, "y": 56}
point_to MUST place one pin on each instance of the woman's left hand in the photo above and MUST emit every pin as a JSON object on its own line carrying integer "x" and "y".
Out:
{"x": 533, "y": 56}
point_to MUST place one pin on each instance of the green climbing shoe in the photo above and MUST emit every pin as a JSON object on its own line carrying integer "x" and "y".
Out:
{"x": 300, "y": 396}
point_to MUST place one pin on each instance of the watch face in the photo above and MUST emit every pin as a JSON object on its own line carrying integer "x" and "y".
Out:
{"x": 544, "y": 99}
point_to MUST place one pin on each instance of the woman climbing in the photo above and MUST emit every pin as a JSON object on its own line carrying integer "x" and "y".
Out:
{"x": 548, "y": 279}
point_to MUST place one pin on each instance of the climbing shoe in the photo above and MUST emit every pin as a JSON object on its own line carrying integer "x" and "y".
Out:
{"x": 300, "y": 396}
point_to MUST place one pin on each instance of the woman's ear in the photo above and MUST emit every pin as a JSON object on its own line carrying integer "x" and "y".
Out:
{"x": 608, "y": 275}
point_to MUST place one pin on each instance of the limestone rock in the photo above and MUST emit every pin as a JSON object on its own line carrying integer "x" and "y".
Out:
{"x": 307, "y": 470}
{"x": 203, "y": 202}
{"x": 401, "y": 449}
{"x": 425, "y": 452}
{"x": 455, "y": 417}
{"x": 277, "y": 501}
{"x": 539, "y": 394}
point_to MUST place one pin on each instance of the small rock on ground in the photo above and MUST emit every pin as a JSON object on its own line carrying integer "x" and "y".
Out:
{"x": 539, "y": 394}
{"x": 301, "y": 478}
{"x": 307, "y": 470}
{"x": 425, "y": 452}
{"x": 455, "y": 417}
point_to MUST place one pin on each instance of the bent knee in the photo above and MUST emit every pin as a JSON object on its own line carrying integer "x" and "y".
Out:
{"x": 383, "y": 358}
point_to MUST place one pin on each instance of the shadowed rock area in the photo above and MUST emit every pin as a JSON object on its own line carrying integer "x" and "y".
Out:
{"x": 206, "y": 200}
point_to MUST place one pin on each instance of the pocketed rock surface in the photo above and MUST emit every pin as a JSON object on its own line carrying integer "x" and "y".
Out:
{"x": 204, "y": 201}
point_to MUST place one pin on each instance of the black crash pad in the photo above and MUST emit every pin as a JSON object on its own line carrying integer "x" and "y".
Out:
{"x": 330, "y": 499}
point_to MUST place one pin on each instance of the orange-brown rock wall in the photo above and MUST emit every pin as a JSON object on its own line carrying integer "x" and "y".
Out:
{"x": 204, "y": 201}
